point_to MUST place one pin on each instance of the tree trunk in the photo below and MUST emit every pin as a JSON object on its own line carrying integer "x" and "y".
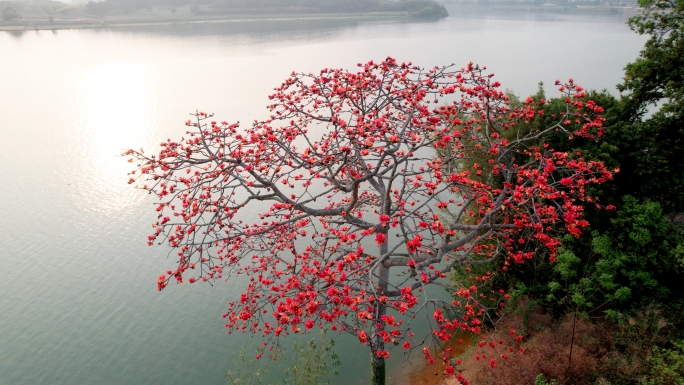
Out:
{"x": 377, "y": 343}
{"x": 572, "y": 339}
{"x": 377, "y": 370}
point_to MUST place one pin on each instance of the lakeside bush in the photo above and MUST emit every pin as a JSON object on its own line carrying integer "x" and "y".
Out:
{"x": 635, "y": 348}
{"x": 617, "y": 288}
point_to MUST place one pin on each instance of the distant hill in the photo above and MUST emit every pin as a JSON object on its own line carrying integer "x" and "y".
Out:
{"x": 418, "y": 8}
{"x": 47, "y": 14}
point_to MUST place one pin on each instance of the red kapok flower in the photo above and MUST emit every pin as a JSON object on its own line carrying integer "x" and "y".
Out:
{"x": 380, "y": 238}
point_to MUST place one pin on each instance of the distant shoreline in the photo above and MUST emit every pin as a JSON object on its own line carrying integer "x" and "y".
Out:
{"x": 35, "y": 24}
{"x": 84, "y": 23}
{"x": 546, "y": 9}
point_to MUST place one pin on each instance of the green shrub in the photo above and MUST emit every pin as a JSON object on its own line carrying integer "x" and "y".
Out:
{"x": 541, "y": 381}
{"x": 667, "y": 366}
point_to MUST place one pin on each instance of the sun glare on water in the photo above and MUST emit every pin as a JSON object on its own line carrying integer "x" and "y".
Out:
{"x": 117, "y": 100}
{"x": 119, "y": 108}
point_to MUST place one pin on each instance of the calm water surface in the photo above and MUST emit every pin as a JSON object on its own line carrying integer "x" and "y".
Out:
{"x": 78, "y": 301}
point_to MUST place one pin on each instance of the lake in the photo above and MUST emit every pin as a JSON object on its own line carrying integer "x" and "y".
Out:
{"x": 78, "y": 299}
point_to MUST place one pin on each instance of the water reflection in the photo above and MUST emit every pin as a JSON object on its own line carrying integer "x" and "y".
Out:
{"x": 117, "y": 106}
{"x": 116, "y": 100}
{"x": 16, "y": 33}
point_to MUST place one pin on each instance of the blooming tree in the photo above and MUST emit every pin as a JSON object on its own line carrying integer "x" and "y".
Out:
{"x": 359, "y": 174}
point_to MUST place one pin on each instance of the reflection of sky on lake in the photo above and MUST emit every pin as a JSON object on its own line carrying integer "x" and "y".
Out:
{"x": 77, "y": 281}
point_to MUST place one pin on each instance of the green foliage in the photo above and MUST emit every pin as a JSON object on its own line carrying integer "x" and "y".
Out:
{"x": 628, "y": 267}
{"x": 667, "y": 366}
{"x": 307, "y": 363}
{"x": 658, "y": 73}
{"x": 636, "y": 258}
{"x": 525, "y": 308}
{"x": 656, "y": 77}
{"x": 649, "y": 152}
{"x": 638, "y": 345}
{"x": 633, "y": 254}
{"x": 679, "y": 255}
{"x": 640, "y": 250}
{"x": 541, "y": 381}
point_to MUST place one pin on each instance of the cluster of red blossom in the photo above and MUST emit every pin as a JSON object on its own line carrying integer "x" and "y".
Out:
{"x": 358, "y": 173}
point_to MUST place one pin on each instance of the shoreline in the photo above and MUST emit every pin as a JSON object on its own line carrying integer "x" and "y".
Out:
{"x": 84, "y": 23}
{"x": 44, "y": 24}
{"x": 419, "y": 372}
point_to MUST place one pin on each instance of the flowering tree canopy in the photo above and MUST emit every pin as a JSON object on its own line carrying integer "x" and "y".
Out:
{"x": 359, "y": 174}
